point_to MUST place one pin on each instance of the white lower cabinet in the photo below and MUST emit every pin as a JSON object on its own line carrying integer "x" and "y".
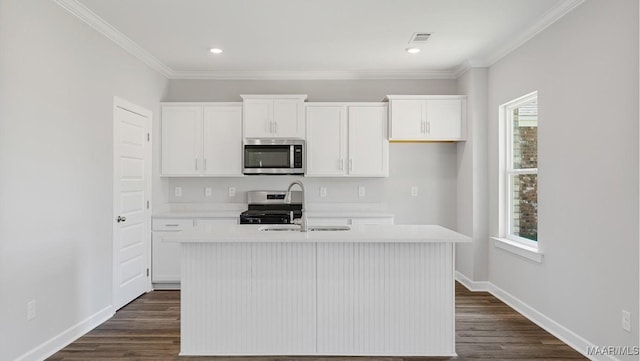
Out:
{"x": 165, "y": 256}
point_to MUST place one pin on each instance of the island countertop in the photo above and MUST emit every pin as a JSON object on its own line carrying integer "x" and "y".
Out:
{"x": 356, "y": 234}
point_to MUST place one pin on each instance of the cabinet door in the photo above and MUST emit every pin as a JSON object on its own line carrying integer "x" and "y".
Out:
{"x": 181, "y": 140}
{"x": 258, "y": 118}
{"x": 368, "y": 145}
{"x": 222, "y": 149}
{"x": 288, "y": 118}
{"x": 444, "y": 119}
{"x": 165, "y": 256}
{"x": 408, "y": 119}
{"x": 326, "y": 141}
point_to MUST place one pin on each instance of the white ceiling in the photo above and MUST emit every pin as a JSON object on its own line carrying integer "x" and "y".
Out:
{"x": 319, "y": 38}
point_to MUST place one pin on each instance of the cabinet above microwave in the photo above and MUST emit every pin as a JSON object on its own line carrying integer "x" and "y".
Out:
{"x": 273, "y": 116}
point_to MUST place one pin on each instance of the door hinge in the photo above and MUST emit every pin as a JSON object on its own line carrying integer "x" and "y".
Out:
{"x": 148, "y": 137}
{"x": 147, "y": 204}
{"x": 147, "y": 272}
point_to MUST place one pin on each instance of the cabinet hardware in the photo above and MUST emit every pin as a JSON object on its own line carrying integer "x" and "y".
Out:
{"x": 205, "y": 163}
{"x": 196, "y": 161}
{"x": 428, "y": 127}
{"x": 350, "y": 164}
{"x": 171, "y": 225}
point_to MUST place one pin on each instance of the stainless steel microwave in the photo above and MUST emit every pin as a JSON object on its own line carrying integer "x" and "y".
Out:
{"x": 274, "y": 156}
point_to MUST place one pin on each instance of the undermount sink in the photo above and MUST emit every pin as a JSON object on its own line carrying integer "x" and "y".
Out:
{"x": 297, "y": 228}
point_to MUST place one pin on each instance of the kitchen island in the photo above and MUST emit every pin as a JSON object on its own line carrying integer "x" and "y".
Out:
{"x": 370, "y": 290}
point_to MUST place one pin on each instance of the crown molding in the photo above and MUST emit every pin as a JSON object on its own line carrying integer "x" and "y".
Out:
{"x": 554, "y": 14}
{"x": 468, "y": 65}
{"x": 313, "y": 75}
{"x": 89, "y": 17}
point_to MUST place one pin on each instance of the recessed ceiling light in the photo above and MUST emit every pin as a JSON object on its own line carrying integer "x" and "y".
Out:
{"x": 413, "y": 50}
{"x": 216, "y": 50}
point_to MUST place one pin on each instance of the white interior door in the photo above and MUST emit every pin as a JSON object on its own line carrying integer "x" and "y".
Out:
{"x": 132, "y": 186}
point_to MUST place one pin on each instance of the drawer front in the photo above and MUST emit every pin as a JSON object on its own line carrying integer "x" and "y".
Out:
{"x": 172, "y": 224}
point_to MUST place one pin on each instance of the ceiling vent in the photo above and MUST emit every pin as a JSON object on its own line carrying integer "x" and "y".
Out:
{"x": 419, "y": 38}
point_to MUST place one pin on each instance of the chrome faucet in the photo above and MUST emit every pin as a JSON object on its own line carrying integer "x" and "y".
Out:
{"x": 302, "y": 221}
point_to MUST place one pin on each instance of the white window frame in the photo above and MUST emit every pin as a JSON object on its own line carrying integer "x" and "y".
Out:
{"x": 507, "y": 172}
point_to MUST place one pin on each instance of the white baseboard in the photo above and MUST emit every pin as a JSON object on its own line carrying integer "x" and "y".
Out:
{"x": 67, "y": 336}
{"x": 474, "y": 286}
{"x": 564, "y": 334}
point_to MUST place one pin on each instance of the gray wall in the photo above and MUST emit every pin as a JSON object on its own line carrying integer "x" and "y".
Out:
{"x": 318, "y": 90}
{"x": 588, "y": 170}
{"x": 429, "y": 166}
{"x": 472, "y": 206}
{"x": 58, "y": 78}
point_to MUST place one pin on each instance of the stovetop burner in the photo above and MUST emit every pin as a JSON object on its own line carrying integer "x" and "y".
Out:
{"x": 269, "y": 207}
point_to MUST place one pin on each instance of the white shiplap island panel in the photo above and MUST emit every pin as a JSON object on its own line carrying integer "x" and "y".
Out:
{"x": 290, "y": 293}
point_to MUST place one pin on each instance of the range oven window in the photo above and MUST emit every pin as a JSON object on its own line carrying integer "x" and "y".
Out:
{"x": 272, "y": 156}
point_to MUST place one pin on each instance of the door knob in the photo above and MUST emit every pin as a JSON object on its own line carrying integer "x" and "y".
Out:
{"x": 121, "y": 219}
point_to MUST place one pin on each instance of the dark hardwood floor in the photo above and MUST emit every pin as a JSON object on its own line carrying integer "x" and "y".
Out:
{"x": 149, "y": 329}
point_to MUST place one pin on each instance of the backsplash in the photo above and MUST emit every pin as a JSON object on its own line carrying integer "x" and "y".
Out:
{"x": 429, "y": 167}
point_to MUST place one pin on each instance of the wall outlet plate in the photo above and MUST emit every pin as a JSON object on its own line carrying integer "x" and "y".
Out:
{"x": 414, "y": 191}
{"x": 626, "y": 320}
{"x": 361, "y": 191}
{"x": 31, "y": 310}
{"x": 323, "y": 192}
{"x": 232, "y": 191}
{"x": 178, "y": 191}
{"x": 207, "y": 192}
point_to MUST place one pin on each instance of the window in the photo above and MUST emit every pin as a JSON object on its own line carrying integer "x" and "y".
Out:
{"x": 519, "y": 183}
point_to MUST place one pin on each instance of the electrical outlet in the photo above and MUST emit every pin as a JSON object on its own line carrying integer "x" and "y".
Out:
{"x": 31, "y": 310}
{"x": 414, "y": 191}
{"x": 178, "y": 191}
{"x": 361, "y": 191}
{"x": 323, "y": 192}
{"x": 232, "y": 191}
{"x": 626, "y": 321}
{"x": 207, "y": 191}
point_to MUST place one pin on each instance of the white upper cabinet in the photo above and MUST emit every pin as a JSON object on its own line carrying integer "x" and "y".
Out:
{"x": 222, "y": 141}
{"x": 347, "y": 139}
{"x": 273, "y": 116}
{"x": 427, "y": 117}
{"x": 368, "y": 144}
{"x": 326, "y": 140}
{"x": 202, "y": 140}
{"x": 181, "y": 141}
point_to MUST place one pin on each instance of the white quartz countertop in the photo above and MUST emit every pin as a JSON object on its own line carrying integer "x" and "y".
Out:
{"x": 357, "y": 233}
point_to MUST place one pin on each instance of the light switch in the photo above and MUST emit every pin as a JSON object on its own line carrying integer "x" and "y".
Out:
{"x": 178, "y": 192}
{"x": 207, "y": 191}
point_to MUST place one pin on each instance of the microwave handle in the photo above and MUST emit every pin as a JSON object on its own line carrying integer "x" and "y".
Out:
{"x": 292, "y": 151}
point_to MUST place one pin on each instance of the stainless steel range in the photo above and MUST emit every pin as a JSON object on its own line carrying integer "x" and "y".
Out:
{"x": 270, "y": 207}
